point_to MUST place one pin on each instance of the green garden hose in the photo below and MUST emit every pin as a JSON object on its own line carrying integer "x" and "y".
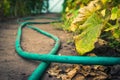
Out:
{"x": 50, "y": 57}
{"x": 37, "y": 73}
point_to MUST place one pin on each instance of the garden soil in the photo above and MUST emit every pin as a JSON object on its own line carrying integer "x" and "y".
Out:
{"x": 14, "y": 67}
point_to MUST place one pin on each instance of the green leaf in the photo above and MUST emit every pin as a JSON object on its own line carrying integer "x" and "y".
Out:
{"x": 114, "y": 13}
{"x": 84, "y": 42}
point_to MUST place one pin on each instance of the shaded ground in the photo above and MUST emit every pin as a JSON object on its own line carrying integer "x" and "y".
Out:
{"x": 13, "y": 67}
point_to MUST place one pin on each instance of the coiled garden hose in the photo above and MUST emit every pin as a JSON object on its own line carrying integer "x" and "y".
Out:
{"x": 50, "y": 57}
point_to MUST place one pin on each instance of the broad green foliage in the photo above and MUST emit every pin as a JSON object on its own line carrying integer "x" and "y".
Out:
{"x": 6, "y": 6}
{"x": 85, "y": 41}
{"x": 20, "y": 7}
{"x": 95, "y": 19}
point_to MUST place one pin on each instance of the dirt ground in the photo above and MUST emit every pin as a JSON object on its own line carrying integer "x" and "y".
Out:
{"x": 13, "y": 67}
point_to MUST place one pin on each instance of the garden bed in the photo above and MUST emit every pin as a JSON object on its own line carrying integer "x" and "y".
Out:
{"x": 13, "y": 67}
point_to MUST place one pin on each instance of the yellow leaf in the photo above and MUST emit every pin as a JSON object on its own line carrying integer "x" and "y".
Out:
{"x": 103, "y": 12}
{"x": 73, "y": 27}
{"x": 85, "y": 41}
{"x": 104, "y": 1}
{"x": 114, "y": 13}
{"x": 84, "y": 13}
{"x": 67, "y": 9}
{"x": 113, "y": 16}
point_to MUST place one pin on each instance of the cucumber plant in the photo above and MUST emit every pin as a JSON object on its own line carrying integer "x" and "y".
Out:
{"x": 95, "y": 19}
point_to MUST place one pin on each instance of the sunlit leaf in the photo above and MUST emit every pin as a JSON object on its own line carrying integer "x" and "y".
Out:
{"x": 73, "y": 27}
{"x": 103, "y": 12}
{"x": 84, "y": 13}
{"x": 104, "y": 1}
{"x": 84, "y": 42}
{"x": 114, "y": 13}
{"x": 67, "y": 9}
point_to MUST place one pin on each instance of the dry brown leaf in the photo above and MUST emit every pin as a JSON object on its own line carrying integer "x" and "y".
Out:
{"x": 71, "y": 73}
{"x": 79, "y": 77}
{"x": 100, "y": 77}
{"x": 54, "y": 71}
{"x": 85, "y": 70}
{"x": 66, "y": 74}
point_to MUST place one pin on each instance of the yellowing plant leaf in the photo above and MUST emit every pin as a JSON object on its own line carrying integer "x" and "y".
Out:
{"x": 118, "y": 13}
{"x": 74, "y": 27}
{"x": 114, "y": 13}
{"x": 84, "y": 42}
{"x": 103, "y": 12}
{"x": 84, "y": 13}
{"x": 67, "y": 9}
{"x": 113, "y": 16}
{"x": 104, "y": 1}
